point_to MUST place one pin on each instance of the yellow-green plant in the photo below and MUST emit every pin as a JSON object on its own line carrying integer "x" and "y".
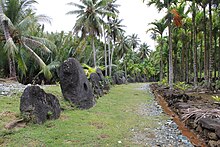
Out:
{"x": 216, "y": 98}
{"x": 182, "y": 86}
{"x": 164, "y": 82}
{"x": 88, "y": 70}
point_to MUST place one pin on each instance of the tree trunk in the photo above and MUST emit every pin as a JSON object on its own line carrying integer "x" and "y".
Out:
{"x": 109, "y": 57}
{"x": 94, "y": 51}
{"x": 170, "y": 52}
{"x": 215, "y": 55}
{"x": 106, "y": 69}
{"x": 11, "y": 61}
{"x": 161, "y": 59}
{"x": 183, "y": 63}
{"x": 175, "y": 72}
{"x": 194, "y": 47}
{"x": 210, "y": 44}
{"x": 219, "y": 58}
{"x": 112, "y": 54}
{"x": 205, "y": 48}
{"x": 187, "y": 64}
{"x": 200, "y": 68}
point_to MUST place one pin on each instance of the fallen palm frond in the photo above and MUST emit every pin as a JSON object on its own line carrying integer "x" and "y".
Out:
{"x": 200, "y": 113}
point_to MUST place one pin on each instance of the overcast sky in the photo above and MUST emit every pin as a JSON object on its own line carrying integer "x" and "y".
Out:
{"x": 135, "y": 14}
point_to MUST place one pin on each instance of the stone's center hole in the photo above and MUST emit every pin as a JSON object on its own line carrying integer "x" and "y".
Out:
{"x": 85, "y": 86}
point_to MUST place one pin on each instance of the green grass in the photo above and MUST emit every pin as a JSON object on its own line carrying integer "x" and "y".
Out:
{"x": 110, "y": 121}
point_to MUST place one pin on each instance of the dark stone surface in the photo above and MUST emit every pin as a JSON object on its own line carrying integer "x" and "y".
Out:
{"x": 100, "y": 74}
{"x": 75, "y": 85}
{"x": 119, "y": 78}
{"x": 38, "y": 106}
{"x": 131, "y": 79}
{"x": 104, "y": 82}
{"x": 210, "y": 124}
{"x": 96, "y": 84}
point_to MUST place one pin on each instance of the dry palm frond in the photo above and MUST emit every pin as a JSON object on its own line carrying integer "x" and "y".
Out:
{"x": 200, "y": 113}
{"x": 176, "y": 18}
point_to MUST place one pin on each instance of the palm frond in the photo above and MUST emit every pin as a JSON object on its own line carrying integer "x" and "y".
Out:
{"x": 34, "y": 44}
{"x": 21, "y": 64}
{"x": 40, "y": 62}
{"x": 45, "y": 41}
{"x": 76, "y": 5}
{"x": 10, "y": 47}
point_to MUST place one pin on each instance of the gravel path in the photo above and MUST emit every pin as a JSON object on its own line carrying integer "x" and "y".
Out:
{"x": 166, "y": 134}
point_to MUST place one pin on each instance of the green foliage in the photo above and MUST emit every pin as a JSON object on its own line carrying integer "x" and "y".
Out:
{"x": 182, "y": 86}
{"x": 217, "y": 84}
{"x": 88, "y": 70}
{"x": 216, "y": 98}
{"x": 164, "y": 82}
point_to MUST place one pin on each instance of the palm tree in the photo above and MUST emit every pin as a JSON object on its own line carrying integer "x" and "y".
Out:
{"x": 134, "y": 40}
{"x": 159, "y": 27}
{"x": 144, "y": 51}
{"x": 111, "y": 7}
{"x": 89, "y": 20}
{"x": 115, "y": 32}
{"x": 123, "y": 47}
{"x": 15, "y": 34}
{"x": 160, "y": 5}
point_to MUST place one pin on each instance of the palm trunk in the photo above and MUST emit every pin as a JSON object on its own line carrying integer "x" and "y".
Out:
{"x": 215, "y": 56}
{"x": 106, "y": 69}
{"x": 187, "y": 64}
{"x": 205, "y": 48}
{"x": 219, "y": 59}
{"x": 210, "y": 44}
{"x": 200, "y": 68}
{"x": 194, "y": 47}
{"x": 126, "y": 75}
{"x": 161, "y": 60}
{"x": 94, "y": 51}
{"x": 109, "y": 57}
{"x": 11, "y": 61}
{"x": 112, "y": 54}
{"x": 170, "y": 53}
{"x": 183, "y": 63}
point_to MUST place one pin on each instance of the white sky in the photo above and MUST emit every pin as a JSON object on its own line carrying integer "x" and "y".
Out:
{"x": 135, "y": 14}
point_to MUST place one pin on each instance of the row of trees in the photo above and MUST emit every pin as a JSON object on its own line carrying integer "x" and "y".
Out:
{"x": 190, "y": 52}
{"x": 98, "y": 39}
{"x": 193, "y": 40}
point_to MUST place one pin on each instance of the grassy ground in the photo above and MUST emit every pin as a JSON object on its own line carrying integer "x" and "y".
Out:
{"x": 109, "y": 123}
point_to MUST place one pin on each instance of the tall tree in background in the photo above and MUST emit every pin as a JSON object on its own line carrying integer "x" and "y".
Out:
{"x": 167, "y": 5}
{"x": 134, "y": 40}
{"x": 115, "y": 33}
{"x": 89, "y": 20}
{"x": 159, "y": 28}
{"x": 113, "y": 8}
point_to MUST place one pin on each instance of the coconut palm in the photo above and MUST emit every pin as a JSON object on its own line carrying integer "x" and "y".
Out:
{"x": 134, "y": 40}
{"x": 89, "y": 19}
{"x": 16, "y": 36}
{"x": 159, "y": 28}
{"x": 114, "y": 33}
{"x": 123, "y": 46}
{"x": 144, "y": 51}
